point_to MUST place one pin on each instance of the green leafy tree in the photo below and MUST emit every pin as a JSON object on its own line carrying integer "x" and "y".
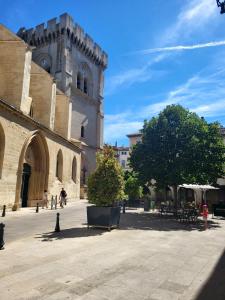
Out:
{"x": 106, "y": 184}
{"x": 132, "y": 186}
{"x": 179, "y": 147}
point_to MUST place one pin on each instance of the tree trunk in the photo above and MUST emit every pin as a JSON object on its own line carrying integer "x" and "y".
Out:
{"x": 175, "y": 196}
{"x": 165, "y": 194}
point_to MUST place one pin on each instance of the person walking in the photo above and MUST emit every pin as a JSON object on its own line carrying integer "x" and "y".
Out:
{"x": 62, "y": 197}
{"x": 45, "y": 199}
{"x": 205, "y": 213}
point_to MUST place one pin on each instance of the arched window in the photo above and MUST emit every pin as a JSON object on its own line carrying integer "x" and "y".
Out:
{"x": 59, "y": 165}
{"x": 2, "y": 148}
{"x": 74, "y": 169}
{"x": 82, "y": 131}
{"x": 85, "y": 86}
{"x": 79, "y": 81}
{"x": 86, "y": 78}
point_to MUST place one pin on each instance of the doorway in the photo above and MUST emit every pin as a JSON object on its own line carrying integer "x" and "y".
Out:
{"x": 33, "y": 171}
{"x": 25, "y": 184}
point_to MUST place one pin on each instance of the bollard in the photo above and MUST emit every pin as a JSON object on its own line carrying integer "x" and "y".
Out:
{"x": 52, "y": 202}
{"x": 2, "y": 243}
{"x": 57, "y": 228}
{"x": 124, "y": 207}
{"x": 3, "y": 212}
{"x": 37, "y": 208}
{"x": 56, "y": 202}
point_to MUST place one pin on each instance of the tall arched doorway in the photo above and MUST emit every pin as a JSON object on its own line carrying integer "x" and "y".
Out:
{"x": 33, "y": 171}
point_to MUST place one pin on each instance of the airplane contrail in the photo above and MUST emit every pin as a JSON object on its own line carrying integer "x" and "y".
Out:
{"x": 181, "y": 47}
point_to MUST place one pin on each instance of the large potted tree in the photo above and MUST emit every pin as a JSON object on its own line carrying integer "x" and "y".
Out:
{"x": 105, "y": 189}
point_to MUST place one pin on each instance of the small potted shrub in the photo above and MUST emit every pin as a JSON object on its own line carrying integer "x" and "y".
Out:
{"x": 105, "y": 189}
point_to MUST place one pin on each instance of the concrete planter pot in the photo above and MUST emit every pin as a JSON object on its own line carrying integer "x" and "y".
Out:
{"x": 103, "y": 217}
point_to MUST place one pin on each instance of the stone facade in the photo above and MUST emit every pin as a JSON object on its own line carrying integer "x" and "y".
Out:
{"x": 77, "y": 64}
{"x": 36, "y": 149}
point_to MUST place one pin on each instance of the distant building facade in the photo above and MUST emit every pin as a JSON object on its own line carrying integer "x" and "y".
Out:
{"x": 122, "y": 154}
{"x": 134, "y": 138}
{"x": 77, "y": 64}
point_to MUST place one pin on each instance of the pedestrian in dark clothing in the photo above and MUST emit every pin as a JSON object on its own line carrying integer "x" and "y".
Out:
{"x": 62, "y": 197}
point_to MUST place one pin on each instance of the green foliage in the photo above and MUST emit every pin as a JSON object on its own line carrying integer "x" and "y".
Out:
{"x": 106, "y": 184}
{"x": 132, "y": 186}
{"x": 179, "y": 147}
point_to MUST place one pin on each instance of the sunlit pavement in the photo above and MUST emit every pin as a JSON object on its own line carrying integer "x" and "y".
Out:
{"x": 147, "y": 258}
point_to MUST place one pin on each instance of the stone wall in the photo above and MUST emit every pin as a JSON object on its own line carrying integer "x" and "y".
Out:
{"x": 17, "y": 132}
{"x": 63, "y": 115}
{"x": 15, "y": 60}
{"x": 43, "y": 94}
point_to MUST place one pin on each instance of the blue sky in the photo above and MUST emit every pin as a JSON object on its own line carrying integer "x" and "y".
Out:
{"x": 147, "y": 70}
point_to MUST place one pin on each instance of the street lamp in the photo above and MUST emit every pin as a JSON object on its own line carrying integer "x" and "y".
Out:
{"x": 221, "y": 4}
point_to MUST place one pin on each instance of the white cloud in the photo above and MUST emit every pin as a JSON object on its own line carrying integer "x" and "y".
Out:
{"x": 117, "y": 131}
{"x": 211, "y": 109}
{"x": 133, "y": 76}
{"x": 192, "y": 19}
{"x": 182, "y": 47}
{"x": 203, "y": 93}
{"x": 127, "y": 78}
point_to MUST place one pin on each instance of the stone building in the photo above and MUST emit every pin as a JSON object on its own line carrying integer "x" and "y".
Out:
{"x": 77, "y": 64}
{"x": 36, "y": 149}
{"x": 122, "y": 154}
{"x": 134, "y": 138}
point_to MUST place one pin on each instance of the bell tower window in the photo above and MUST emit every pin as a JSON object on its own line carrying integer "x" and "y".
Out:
{"x": 85, "y": 86}
{"x": 82, "y": 131}
{"x": 79, "y": 81}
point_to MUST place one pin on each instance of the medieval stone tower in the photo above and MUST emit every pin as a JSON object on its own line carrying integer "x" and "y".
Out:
{"x": 77, "y": 63}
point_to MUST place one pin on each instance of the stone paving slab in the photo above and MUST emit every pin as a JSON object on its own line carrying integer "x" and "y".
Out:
{"x": 148, "y": 258}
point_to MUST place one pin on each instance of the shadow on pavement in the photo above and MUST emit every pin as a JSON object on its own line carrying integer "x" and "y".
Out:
{"x": 147, "y": 221}
{"x": 131, "y": 221}
{"x": 69, "y": 233}
{"x": 214, "y": 288}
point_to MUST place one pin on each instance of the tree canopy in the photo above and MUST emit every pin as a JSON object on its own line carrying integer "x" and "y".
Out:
{"x": 132, "y": 186}
{"x": 106, "y": 184}
{"x": 179, "y": 147}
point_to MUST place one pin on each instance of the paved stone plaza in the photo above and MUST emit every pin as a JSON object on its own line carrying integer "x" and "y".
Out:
{"x": 147, "y": 258}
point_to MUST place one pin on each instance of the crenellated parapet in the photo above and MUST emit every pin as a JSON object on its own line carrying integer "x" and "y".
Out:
{"x": 43, "y": 35}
